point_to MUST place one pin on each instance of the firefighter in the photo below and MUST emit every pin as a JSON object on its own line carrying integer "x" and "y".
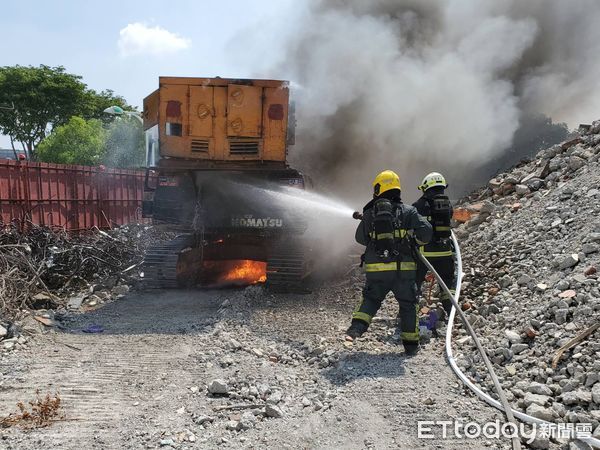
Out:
{"x": 436, "y": 207}
{"x": 387, "y": 229}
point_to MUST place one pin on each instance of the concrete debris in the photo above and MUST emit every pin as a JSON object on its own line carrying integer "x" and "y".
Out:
{"x": 543, "y": 256}
{"x": 540, "y": 412}
{"x": 218, "y": 387}
{"x": 273, "y": 411}
{"x": 568, "y": 261}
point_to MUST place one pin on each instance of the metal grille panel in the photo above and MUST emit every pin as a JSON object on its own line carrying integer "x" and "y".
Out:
{"x": 244, "y": 147}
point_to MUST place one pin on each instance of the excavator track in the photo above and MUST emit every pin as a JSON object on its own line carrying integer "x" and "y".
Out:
{"x": 286, "y": 268}
{"x": 160, "y": 264}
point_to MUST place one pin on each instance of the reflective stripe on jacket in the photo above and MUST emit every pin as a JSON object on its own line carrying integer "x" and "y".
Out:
{"x": 434, "y": 254}
{"x": 383, "y": 267}
{"x": 412, "y": 223}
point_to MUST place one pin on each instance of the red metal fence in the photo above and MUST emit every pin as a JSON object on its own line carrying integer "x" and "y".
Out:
{"x": 72, "y": 197}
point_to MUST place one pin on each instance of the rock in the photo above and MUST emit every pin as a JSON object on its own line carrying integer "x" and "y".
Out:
{"x": 273, "y": 411}
{"x": 576, "y": 397}
{"x": 513, "y": 336}
{"x": 8, "y": 345}
{"x": 560, "y": 316}
{"x": 575, "y": 163}
{"x": 596, "y": 393}
{"x": 464, "y": 340}
{"x": 121, "y": 289}
{"x": 519, "y": 348}
{"x": 524, "y": 280}
{"x": 568, "y": 261}
{"x": 569, "y": 293}
{"x": 592, "y": 193}
{"x": 540, "y": 412}
{"x": 495, "y": 183}
{"x": 576, "y": 444}
{"x": 203, "y": 419}
{"x": 488, "y": 207}
{"x": 275, "y": 397}
{"x": 505, "y": 282}
{"x": 590, "y": 271}
{"x": 570, "y": 385}
{"x": 538, "y": 399}
{"x": 167, "y": 443}
{"x": 535, "y": 184}
{"x": 306, "y": 402}
{"x": 588, "y": 248}
{"x": 233, "y": 425}
{"x": 540, "y": 442}
{"x": 258, "y": 352}
{"x": 521, "y": 189}
{"x": 539, "y": 388}
{"x": 591, "y": 379}
{"x": 248, "y": 420}
{"x": 3, "y": 332}
{"x": 512, "y": 370}
{"x": 218, "y": 387}
{"x": 594, "y": 237}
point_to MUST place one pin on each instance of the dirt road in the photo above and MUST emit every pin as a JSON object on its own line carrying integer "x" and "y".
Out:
{"x": 142, "y": 382}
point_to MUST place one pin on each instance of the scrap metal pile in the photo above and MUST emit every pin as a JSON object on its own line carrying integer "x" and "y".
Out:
{"x": 41, "y": 268}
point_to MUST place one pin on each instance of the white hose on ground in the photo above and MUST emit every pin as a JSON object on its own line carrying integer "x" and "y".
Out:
{"x": 515, "y": 440}
{"x": 482, "y": 395}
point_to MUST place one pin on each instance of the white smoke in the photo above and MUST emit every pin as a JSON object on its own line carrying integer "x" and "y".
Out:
{"x": 423, "y": 85}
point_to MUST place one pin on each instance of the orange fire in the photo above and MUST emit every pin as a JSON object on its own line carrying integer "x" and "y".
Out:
{"x": 246, "y": 271}
{"x": 236, "y": 272}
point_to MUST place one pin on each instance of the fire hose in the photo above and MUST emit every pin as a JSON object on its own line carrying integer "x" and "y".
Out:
{"x": 503, "y": 404}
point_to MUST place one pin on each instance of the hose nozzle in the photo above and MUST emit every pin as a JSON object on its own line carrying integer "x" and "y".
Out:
{"x": 356, "y": 215}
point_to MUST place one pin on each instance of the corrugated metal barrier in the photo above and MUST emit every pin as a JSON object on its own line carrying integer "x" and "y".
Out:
{"x": 69, "y": 196}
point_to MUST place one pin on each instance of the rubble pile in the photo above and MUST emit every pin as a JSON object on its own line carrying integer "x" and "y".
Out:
{"x": 531, "y": 289}
{"x": 45, "y": 269}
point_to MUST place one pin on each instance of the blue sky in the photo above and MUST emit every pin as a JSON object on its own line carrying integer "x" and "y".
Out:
{"x": 126, "y": 45}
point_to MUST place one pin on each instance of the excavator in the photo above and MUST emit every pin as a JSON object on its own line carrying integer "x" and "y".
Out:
{"x": 216, "y": 160}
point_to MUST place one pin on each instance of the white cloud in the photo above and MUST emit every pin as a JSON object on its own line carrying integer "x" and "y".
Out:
{"x": 139, "y": 39}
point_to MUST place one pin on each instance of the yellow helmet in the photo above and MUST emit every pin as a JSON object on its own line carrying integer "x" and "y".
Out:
{"x": 433, "y": 179}
{"x": 385, "y": 181}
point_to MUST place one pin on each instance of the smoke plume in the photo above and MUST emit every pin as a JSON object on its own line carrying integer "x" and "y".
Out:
{"x": 423, "y": 85}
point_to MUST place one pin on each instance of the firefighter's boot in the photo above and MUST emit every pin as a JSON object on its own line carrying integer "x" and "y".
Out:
{"x": 410, "y": 348}
{"x": 356, "y": 330}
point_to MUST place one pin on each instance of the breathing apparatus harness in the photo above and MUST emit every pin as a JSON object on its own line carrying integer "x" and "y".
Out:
{"x": 440, "y": 210}
{"x": 387, "y": 232}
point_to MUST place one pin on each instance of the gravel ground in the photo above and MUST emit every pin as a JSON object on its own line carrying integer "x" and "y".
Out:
{"x": 234, "y": 369}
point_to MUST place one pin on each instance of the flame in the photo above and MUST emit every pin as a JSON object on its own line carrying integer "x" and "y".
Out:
{"x": 246, "y": 271}
{"x": 237, "y": 272}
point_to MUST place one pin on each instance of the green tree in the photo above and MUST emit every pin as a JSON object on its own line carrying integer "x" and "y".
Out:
{"x": 79, "y": 141}
{"x": 125, "y": 146}
{"x": 46, "y": 97}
